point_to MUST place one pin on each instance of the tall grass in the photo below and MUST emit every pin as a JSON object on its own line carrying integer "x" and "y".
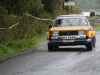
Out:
{"x": 13, "y": 47}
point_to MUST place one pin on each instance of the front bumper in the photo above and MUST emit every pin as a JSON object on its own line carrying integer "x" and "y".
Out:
{"x": 70, "y": 43}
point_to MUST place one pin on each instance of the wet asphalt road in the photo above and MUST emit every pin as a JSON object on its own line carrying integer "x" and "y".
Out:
{"x": 67, "y": 61}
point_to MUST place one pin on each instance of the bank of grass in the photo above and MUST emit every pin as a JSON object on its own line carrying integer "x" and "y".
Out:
{"x": 14, "y": 47}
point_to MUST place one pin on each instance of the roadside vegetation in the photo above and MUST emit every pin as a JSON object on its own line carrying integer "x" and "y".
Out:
{"x": 19, "y": 32}
{"x": 95, "y": 21}
{"x": 97, "y": 28}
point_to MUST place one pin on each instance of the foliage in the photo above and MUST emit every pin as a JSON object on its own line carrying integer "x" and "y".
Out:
{"x": 97, "y": 27}
{"x": 28, "y": 27}
{"x": 73, "y": 10}
{"x": 35, "y": 7}
{"x": 3, "y": 11}
{"x": 22, "y": 6}
{"x": 54, "y": 7}
{"x": 48, "y": 5}
{"x": 3, "y": 14}
{"x": 10, "y": 48}
{"x": 76, "y": 10}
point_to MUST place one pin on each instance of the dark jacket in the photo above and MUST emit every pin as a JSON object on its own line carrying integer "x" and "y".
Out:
{"x": 92, "y": 13}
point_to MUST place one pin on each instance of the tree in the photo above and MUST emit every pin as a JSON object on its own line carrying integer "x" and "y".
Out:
{"x": 48, "y": 5}
{"x": 21, "y": 6}
{"x": 35, "y": 7}
{"x": 53, "y": 6}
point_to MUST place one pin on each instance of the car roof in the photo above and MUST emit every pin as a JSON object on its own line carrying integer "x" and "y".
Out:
{"x": 72, "y": 15}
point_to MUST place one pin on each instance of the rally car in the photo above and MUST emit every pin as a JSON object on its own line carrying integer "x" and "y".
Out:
{"x": 71, "y": 30}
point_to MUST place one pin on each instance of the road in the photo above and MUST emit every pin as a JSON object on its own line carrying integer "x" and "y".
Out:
{"x": 66, "y": 61}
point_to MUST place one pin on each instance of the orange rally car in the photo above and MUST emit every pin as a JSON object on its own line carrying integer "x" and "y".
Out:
{"x": 71, "y": 30}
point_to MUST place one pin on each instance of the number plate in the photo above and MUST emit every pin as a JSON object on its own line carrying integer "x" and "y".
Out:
{"x": 68, "y": 40}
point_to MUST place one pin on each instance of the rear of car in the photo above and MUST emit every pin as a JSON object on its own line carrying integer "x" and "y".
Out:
{"x": 71, "y": 30}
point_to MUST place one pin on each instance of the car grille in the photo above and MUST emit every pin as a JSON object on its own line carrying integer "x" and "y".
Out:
{"x": 62, "y": 33}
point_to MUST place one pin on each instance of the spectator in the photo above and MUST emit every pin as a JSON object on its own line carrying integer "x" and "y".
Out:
{"x": 92, "y": 13}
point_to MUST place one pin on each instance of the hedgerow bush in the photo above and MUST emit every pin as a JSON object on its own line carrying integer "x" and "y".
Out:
{"x": 24, "y": 35}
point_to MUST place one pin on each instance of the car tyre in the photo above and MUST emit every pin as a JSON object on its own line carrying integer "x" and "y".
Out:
{"x": 94, "y": 42}
{"x": 90, "y": 46}
{"x": 50, "y": 47}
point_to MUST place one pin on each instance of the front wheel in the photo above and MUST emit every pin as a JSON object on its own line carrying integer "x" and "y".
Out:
{"x": 94, "y": 42}
{"x": 50, "y": 47}
{"x": 90, "y": 46}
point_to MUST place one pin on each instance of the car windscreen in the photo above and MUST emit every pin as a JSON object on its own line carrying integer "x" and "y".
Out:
{"x": 71, "y": 21}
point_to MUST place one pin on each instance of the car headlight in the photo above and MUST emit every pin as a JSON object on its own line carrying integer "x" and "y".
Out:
{"x": 81, "y": 32}
{"x": 55, "y": 34}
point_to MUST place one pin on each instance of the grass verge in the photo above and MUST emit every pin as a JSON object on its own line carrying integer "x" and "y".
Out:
{"x": 97, "y": 28}
{"x": 11, "y": 48}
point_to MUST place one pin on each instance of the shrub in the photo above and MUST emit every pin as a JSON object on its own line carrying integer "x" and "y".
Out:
{"x": 35, "y": 7}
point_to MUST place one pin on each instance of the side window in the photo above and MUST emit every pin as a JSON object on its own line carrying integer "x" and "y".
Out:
{"x": 57, "y": 22}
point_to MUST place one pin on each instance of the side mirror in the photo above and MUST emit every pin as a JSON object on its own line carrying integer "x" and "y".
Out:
{"x": 50, "y": 26}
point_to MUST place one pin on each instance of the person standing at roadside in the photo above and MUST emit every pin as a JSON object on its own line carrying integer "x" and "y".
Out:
{"x": 92, "y": 13}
